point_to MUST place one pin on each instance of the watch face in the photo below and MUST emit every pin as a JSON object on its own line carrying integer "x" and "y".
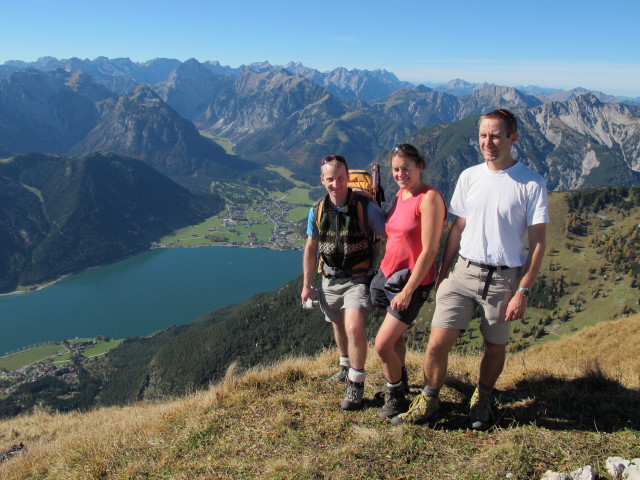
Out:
{"x": 524, "y": 291}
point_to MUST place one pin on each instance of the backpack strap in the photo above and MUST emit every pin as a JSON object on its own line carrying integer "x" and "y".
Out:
{"x": 318, "y": 207}
{"x": 372, "y": 238}
{"x": 363, "y": 214}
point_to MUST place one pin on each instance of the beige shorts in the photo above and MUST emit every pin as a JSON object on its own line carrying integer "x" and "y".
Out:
{"x": 461, "y": 292}
{"x": 336, "y": 294}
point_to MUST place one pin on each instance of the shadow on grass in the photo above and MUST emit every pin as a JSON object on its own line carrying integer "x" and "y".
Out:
{"x": 592, "y": 402}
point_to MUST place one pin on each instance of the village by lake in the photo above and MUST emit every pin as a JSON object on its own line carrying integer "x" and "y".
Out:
{"x": 143, "y": 294}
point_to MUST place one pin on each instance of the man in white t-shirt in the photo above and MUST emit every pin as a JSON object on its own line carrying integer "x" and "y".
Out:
{"x": 497, "y": 206}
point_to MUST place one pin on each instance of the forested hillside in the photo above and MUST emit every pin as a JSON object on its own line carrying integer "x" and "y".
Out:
{"x": 261, "y": 330}
{"x": 61, "y": 214}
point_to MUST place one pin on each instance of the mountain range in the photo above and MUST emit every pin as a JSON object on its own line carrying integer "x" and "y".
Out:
{"x": 174, "y": 116}
{"x": 167, "y": 112}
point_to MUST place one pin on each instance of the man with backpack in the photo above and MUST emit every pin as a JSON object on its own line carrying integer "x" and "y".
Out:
{"x": 341, "y": 228}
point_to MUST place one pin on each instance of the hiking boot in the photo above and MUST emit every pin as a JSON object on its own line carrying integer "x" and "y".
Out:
{"x": 480, "y": 410}
{"x": 394, "y": 402}
{"x": 422, "y": 408}
{"x": 340, "y": 375}
{"x": 353, "y": 398}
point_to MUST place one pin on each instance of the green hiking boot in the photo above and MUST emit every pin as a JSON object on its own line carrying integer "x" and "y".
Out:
{"x": 480, "y": 410}
{"x": 422, "y": 408}
{"x": 394, "y": 402}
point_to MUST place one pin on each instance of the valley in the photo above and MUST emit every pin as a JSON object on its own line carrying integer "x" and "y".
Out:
{"x": 55, "y": 359}
{"x": 253, "y": 217}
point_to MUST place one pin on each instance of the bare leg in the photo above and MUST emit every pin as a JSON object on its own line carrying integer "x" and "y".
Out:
{"x": 340, "y": 336}
{"x": 390, "y": 347}
{"x": 401, "y": 349}
{"x": 492, "y": 363}
{"x": 357, "y": 343}
{"x": 436, "y": 358}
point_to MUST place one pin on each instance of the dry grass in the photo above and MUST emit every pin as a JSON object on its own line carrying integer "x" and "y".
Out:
{"x": 560, "y": 406}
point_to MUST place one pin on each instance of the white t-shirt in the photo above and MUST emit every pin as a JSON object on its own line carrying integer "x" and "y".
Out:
{"x": 498, "y": 206}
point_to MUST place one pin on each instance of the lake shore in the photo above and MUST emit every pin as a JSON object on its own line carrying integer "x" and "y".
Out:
{"x": 26, "y": 289}
{"x": 142, "y": 294}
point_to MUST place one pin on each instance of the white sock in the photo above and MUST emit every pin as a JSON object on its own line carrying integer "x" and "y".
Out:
{"x": 357, "y": 376}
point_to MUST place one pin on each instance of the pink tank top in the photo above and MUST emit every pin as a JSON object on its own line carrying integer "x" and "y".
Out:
{"x": 404, "y": 242}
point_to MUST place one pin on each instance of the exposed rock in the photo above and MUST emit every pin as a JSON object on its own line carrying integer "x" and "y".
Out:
{"x": 616, "y": 465}
{"x": 549, "y": 475}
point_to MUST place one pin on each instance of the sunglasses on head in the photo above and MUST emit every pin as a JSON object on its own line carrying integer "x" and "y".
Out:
{"x": 406, "y": 148}
{"x": 330, "y": 158}
{"x": 506, "y": 113}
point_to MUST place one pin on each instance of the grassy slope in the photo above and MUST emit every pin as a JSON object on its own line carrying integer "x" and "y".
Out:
{"x": 557, "y": 409}
{"x": 577, "y": 262}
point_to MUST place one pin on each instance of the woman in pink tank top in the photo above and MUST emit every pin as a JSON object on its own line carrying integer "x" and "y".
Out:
{"x": 407, "y": 272}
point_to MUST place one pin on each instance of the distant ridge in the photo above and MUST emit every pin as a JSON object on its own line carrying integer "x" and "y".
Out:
{"x": 120, "y": 74}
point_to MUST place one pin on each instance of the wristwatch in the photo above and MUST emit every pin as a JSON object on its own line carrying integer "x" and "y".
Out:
{"x": 524, "y": 291}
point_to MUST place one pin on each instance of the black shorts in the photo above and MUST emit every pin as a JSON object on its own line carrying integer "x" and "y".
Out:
{"x": 382, "y": 299}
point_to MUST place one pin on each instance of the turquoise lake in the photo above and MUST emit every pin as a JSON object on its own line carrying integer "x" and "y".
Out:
{"x": 143, "y": 294}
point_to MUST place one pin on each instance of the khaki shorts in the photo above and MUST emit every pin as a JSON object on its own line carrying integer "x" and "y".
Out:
{"x": 336, "y": 294}
{"x": 461, "y": 292}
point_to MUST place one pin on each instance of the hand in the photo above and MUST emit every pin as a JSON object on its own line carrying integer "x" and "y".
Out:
{"x": 516, "y": 307}
{"x": 401, "y": 301}
{"x": 308, "y": 292}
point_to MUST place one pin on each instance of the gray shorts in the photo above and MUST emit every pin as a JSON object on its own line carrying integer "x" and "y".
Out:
{"x": 336, "y": 294}
{"x": 382, "y": 299}
{"x": 460, "y": 293}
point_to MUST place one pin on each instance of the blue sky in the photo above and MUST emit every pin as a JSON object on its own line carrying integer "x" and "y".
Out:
{"x": 561, "y": 43}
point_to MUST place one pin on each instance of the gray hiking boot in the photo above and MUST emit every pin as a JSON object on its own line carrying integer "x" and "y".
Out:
{"x": 353, "y": 398}
{"x": 394, "y": 402}
{"x": 340, "y": 375}
{"x": 480, "y": 410}
{"x": 422, "y": 408}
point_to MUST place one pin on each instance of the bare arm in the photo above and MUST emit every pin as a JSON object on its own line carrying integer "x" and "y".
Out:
{"x": 451, "y": 247}
{"x": 537, "y": 240}
{"x": 309, "y": 259}
{"x": 432, "y": 213}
